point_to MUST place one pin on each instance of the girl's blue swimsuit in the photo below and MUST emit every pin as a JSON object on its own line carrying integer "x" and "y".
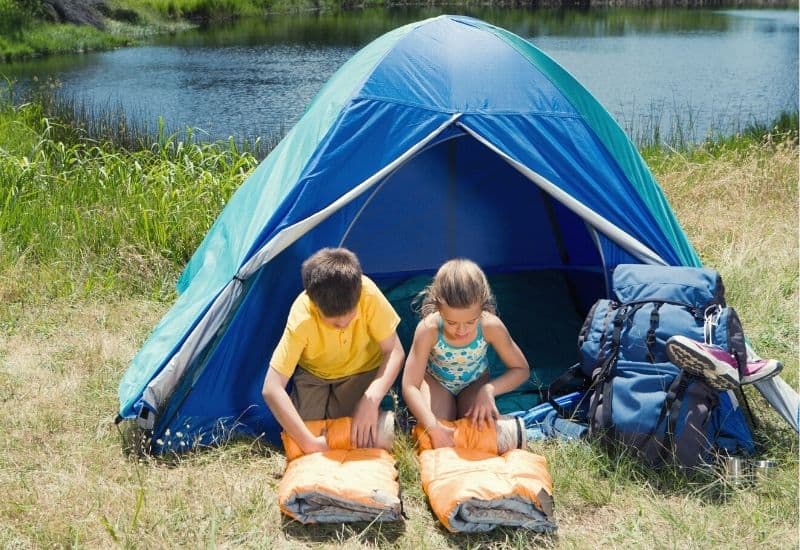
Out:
{"x": 456, "y": 367}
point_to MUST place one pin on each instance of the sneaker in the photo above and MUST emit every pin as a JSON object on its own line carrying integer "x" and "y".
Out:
{"x": 763, "y": 369}
{"x": 711, "y": 363}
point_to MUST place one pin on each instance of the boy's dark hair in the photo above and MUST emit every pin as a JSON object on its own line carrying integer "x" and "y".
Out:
{"x": 332, "y": 279}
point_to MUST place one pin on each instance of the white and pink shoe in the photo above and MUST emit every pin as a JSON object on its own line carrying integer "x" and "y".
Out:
{"x": 712, "y": 363}
{"x": 761, "y": 369}
{"x": 718, "y": 367}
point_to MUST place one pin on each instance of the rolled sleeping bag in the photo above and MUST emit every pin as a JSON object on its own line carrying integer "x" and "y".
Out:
{"x": 337, "y": 434}
{"x": 344, "y": 484}
{"x": 509, "y": 433}
{"x": 487, "y": 480}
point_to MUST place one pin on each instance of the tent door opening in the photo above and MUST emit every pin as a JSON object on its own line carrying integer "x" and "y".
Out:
{"x": 459, "y": 199}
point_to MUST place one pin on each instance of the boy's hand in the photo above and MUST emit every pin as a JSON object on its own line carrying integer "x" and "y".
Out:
{"x": 317, "y": 444}
{"x": 442, "y": 436}
{"x": 483, "y": 411}
{"x": 363, "y": 430}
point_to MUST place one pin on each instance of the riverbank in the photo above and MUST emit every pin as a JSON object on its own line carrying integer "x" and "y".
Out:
{"x": 92, "y": 238}
{"x": 36, "y": 28}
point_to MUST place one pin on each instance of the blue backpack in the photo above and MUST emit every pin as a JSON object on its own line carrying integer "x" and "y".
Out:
{"x": 639, "y": 399}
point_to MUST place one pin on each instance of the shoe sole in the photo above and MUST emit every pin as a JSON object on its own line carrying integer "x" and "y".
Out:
{"x": 698, "y": 365}
{"x": 750, "y": 380}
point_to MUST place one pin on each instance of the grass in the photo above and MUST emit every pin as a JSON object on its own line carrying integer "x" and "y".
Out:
{"x": 92, "y": 236}
{"x": 82, "y": 215}
{"x": 27, "y": 31}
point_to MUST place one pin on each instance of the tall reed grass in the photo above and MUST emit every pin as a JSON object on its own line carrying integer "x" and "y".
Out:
{"x": 676, "y": 127}
{"x": 119, "y": 127}
{"x": 85, "y": 214}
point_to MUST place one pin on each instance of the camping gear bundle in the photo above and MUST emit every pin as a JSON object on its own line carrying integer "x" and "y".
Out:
{"x": 486, "y": 480}
{"x": 637, "y": 397}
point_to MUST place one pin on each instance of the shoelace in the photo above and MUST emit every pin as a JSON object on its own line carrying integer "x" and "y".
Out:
{"x": 711, "y": 317}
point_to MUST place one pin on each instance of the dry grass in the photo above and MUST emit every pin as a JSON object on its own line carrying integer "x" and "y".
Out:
{"x": 66, "y": 481}
{"x": 741, "y": 213}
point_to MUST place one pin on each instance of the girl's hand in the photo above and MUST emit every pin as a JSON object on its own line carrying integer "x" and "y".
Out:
{"x": 483, "y": 411}
{"x": 442, "y": 436}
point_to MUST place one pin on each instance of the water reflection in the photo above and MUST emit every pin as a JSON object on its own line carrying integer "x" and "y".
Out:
{"x": 656, "y": 70}
{"x": 358, "y": 28}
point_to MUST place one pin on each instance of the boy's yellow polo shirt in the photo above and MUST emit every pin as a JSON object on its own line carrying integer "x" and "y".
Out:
{"x": 329, "y": 352}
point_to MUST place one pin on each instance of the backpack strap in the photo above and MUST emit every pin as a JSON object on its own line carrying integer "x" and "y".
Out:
{"x": 612, "y": 308}
{"x": 697, "y": 312}
{"x": 669, "y": 412}
{"x": 625, "y": 312}
{"x": 672, "y": 404}
{"x": 574, "y": 379}
{"x": 650, "y": 339}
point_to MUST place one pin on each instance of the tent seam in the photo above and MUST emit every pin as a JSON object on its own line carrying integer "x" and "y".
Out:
{"x": 500, "y": 112}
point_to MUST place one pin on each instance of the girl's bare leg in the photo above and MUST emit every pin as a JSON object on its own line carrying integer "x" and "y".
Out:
{"x": 442, "y": 402}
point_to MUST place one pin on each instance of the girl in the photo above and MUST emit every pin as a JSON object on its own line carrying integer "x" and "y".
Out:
{"x": 447, "y": 373}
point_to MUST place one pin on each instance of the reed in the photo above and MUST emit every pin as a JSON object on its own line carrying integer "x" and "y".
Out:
{"x": 676, "y": 127}
{"x": 122, "y": 127}
{"x": 87, "y": 215}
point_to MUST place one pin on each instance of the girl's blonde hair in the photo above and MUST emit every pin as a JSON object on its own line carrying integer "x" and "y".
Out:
{"x": 459, "y": 284}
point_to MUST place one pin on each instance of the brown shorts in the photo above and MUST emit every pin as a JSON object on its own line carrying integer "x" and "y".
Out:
{"x": 316, "y": 398}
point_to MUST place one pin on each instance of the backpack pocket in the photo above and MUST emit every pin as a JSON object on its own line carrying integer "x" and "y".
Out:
{"x": 654, "y": 410}
{"x": 594, "y": 339}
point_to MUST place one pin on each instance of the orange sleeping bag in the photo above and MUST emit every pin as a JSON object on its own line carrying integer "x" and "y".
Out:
{"x": 343, "y": 484}
{"x": 475, "y": 487}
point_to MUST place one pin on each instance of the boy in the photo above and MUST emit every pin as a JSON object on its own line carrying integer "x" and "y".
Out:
{"x": 341, "y": 344}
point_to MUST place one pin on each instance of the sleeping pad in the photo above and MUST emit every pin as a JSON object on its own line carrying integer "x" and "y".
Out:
{"x": 488, "y": 479}
{"x": 343, "y": 484}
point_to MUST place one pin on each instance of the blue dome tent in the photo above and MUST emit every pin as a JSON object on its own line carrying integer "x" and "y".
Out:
{"x": 444, "y": 138}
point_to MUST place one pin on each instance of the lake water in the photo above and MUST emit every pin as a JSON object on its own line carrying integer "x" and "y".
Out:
{"x": 694, "y": 70}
